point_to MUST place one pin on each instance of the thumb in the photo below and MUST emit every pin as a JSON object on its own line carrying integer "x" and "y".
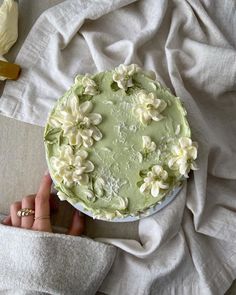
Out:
{"x": 78, "y": 224}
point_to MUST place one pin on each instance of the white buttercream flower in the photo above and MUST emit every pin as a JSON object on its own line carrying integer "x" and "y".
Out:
{"x": 183, "y": 156}
{"x": 71, "y": 168}
{"x": 89, "y": 85}
{"x": 123, "y": 75}
{"x": 77, "y": 123}
{"x": 149, "y": 107}
{"x": 148, "y": 145}
{"x": 155, "y": 181}
{"x": 86, "y": 85}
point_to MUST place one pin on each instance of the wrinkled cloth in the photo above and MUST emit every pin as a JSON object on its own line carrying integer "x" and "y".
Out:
{"x": 45, "y": 263}
{"x": 188, "y": 247}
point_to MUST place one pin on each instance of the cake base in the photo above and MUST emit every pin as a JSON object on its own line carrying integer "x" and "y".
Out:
{"x": 147, "y": 213}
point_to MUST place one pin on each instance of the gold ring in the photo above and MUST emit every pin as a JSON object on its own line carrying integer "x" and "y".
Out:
{"x": 25, "y": 212}
{"x": 42, "y": 217}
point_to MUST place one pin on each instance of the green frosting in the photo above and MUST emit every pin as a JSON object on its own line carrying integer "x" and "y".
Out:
{"x": 121, "y": 163}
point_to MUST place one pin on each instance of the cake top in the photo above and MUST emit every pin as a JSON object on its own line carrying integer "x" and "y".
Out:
{"x": 118, "y": 142}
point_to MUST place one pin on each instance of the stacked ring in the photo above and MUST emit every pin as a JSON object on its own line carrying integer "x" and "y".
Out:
{"x": 25, "y": 212}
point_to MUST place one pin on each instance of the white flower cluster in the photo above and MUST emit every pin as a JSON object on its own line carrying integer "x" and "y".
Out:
{"x": 149, "y": 107}
{"x": 155, "y": 180}
{"x": 71, "y": 168}
{"x": 183, "y": 156}
{"x": 77, "y": 122}
{"x": 149, "y": 146}
{"x": 123, "y": 75}
{"x": 89, "y": 86}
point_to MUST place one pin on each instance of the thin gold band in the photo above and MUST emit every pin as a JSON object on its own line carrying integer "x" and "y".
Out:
{"x": 42, "y": 217}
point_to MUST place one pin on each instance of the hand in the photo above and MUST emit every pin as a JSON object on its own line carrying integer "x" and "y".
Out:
{"x": 41, "y": 204}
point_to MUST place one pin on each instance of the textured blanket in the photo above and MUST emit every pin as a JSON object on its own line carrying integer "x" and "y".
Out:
{"x": 189, "y": 247}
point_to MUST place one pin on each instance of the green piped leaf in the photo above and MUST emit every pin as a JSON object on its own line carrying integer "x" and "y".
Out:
{"x": 139, "y": 183}
{"x": 114, "y": 86}
{"x": 143, "y": 173}
{"x": 130, "y": 91}
{"x": 52, "y": 136}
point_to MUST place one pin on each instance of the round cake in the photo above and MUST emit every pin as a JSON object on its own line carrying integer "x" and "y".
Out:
{"x": 118, "y": 143}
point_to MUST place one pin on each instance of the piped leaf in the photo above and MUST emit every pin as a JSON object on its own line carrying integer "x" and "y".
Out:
{"x": 52, "y": 135}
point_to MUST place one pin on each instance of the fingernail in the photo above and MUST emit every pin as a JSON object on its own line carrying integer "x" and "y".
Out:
{"x": 46, "y": 173}
{"x": 4, "y": 220}
{"x": 81, "y": 214}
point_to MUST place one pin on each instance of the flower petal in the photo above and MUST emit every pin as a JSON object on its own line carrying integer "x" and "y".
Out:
{"x": 164, "y": 175}
{"x": 87, "y": 142}
{"x": 79, "y": 171}
{"x": 193, "y": 166}
{"x": 146, "y": 141}
{"x": 86, "y": 133}
{"x": 73, "y": 102}
{"x": 54, "y": 122}
{"x": 84, "y": 179}
{"x": 162, "y": 106}
{"x": 89, "y": 167}
{"x": 74, "y": 139}
{"x": 185, "y": 142}
{"x": 157, "y": 169}
{"x": 152, "y": 147}
{"x": 183, "y": 168}
{"x": 192, "y": 152}
{"x": 95, "y": 118}
{"x": 97, "y": 134}
{"x": 155, "y": 190}
{"x": 86, "y": 107}
{"x": 163, "y": 185}
{"x": 143, "y": 187}
{"x": 155, "y": 115}
{"x": 82, "y": 154}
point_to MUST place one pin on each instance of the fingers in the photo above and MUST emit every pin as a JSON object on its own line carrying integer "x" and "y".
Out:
{"x": 42, "y": 205}
{"x": 16, "y": 221}
{"x": 78, "y": 224}
{"x": 28, "y": 202}
{"x": 45, "y": 187}
{"x": 7, "y": 220}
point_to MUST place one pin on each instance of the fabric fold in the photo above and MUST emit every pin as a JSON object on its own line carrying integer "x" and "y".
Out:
{"x": 52, "y": 263}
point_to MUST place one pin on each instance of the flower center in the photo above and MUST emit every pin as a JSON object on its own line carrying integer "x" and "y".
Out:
{"x": 80, "y": 125}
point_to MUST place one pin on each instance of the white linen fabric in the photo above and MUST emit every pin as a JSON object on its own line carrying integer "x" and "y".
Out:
{"x": 48, "y": 263}
{"x": 189, "y": 247}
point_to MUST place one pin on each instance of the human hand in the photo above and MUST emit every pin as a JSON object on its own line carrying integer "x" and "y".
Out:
{"x": 40, "y": 203}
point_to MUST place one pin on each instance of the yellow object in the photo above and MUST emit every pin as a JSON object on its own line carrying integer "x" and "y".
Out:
{"x": 8, "y": 70}
{"x": 8, "y": 35}
{"x": 8, "y": 25}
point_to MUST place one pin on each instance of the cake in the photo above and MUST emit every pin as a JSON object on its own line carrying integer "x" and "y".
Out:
{"x": 118, "y": 143}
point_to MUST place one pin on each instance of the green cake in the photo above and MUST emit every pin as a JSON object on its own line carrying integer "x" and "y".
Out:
{"x": 118, "y": 143}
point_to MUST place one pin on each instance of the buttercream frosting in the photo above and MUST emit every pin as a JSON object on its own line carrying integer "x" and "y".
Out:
{"x": 118, "y": 142}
